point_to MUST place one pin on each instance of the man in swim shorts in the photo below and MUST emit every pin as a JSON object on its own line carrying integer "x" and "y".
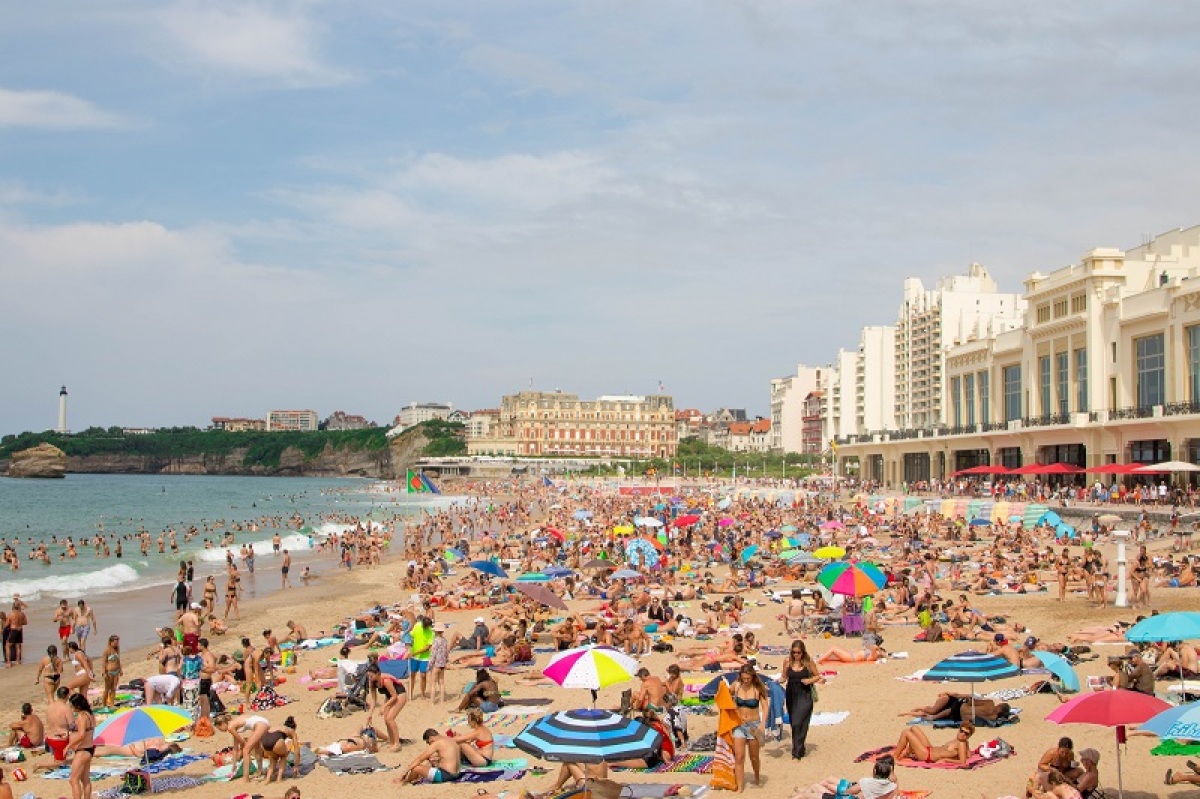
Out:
{"x": 29, "y": 732}
{"x": 441, "y": 750}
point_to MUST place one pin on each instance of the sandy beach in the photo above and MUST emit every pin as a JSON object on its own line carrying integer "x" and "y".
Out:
{"x": 872, "y": 693}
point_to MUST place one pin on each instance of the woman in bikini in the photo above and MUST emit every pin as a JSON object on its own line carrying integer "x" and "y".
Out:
{"x": 277, "y": 745}
{"x": 477, "y": 744}
{"x": 82, "y": 747}
{"x": 49, "y": 672}
{"x": 82, "y": 665}
{"x": 112, "y": 671}
{"x": 914, "y": 744}
{"x": 366, "y": 742}
{"x": 210, "y": 596}
{"x": 247, "y": 732}
{"x": 868, "y": 654}
{"x": 751, "y": 697}
{"x": 396, "y": 697}
{"x": 1063, "y": 567}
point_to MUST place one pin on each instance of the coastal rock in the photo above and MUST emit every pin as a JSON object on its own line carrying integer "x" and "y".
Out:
{"x": 44, "y": 460}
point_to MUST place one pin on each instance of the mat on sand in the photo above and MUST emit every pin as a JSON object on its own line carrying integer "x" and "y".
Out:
{"x": 973, "y": 762}
{"x": 1173, "y": 747}
{"x": 684, "y": 764}
{"x": 469, "y": 775}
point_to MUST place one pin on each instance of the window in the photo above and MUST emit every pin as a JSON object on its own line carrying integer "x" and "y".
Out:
{"x": 985, "y": 412}
{"x": 1063, "y": 369}
{"x": 956, "y": 400}
{"x": 969, "y": 397}
{"x": 1011, "y": 381}
{"x": 1151, "y": 370}
{"x": 1193, "y": 356}
{"x": 1060, "y": 308}
{"x": 1043, "y": 313}
{"x": 1044, "y": 384}
{"x": 1081, "y": 380}
{"x": 1079, "y": 303}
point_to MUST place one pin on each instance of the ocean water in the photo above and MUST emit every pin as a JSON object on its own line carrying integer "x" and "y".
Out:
{"x": 46, "y": 512}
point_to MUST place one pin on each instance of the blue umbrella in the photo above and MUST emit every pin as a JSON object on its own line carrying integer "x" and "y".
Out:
{"x": 626, "y": 574}
{"x": 773, "y": 534}
{"x": 1064, "y": 530}
{"x": 1060, "y": 668}
{"x": 557, "y": 571}
{"x": 749, "y": 552}
{"x": 981, "y": 522}
{"x": 806, "y": 559}
{"x": 582, "y": 514}
{"x": 971, "y": 667}
{"x": 588, "y": 736}
{"x": 487, "y": 567}
{"x": 1181, "y": 722}
{"x": 1178, "y": 626}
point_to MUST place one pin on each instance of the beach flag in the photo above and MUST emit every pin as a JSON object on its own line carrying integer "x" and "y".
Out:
{"x": 547, "y": 482}
{"x": 418, "y": 483}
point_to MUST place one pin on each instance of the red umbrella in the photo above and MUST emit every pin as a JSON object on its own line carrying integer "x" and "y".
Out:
{"x": 982, "y": 470}
{"x": 1110, "y": 709}
{"x": 684, "y": 521}
{"x": 554, "y": 531}
{"x": 1059, "y": 468}
{"x": 1112, "y": 468}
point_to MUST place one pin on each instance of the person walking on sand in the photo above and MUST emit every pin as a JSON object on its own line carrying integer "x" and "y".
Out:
{"x": 62, "y": 620}
{"x": 284, "y": 568}
{"x": 799, "y": 676}
{"x": 83, "y": 748}
{"x": 15, "y": 640}
{"x": 85, "y": 624}
{"x": 231, "y": 594}
{"x": 751, "y": 698}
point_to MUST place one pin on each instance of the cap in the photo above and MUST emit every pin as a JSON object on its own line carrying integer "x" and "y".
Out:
{"x": 1000, "y": 639}
{"x": 439, "y": 628}
{"x": 1030, "y": 642}
{"x": 196, "y": 606}
{"x": 479, "y": 620}
{"x": 1133, "y": 650}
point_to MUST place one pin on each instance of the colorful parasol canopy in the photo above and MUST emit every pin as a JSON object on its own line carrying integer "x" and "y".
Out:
{"x": 852, "y": 579}
{"x": 593, "y": 667}
{"x": 588, "y": 736}
{"x": 141, "y": 724}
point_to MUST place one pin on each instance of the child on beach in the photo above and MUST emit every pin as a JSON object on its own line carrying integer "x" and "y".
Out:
{"x": 439, "y": 657}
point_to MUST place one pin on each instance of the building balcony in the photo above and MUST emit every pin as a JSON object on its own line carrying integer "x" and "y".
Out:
{"x": 1046, "y": 420}
{"x": 1132, "y": 412}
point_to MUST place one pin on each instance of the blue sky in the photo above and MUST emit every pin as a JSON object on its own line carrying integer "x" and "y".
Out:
{"x": 223, "y": 208}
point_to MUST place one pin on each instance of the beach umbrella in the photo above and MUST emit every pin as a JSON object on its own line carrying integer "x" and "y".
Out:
{"x": 541, "y": 594}
{"x": 804, "y": 559}
{"x": 725, "y": 503}
{"x": 788, "y": 528}
{"x": 749, "y": 552}
{"x": 1181, "y": 722}
{"x": 1033, "y": 512}
{"x": 647, "y": 521}
{"x": 1109, "y": 518}
{"x": 626, "y": 574}
{"x": 1116, "y": 708}
{"x": 1015, "y": 519}
{"x": 640, "y": 552}
{"x": 685, "y": 520}
{"x": 1168, "y": 466}
{"x": 852, "y": 579}
{"x": 799, "y": 540}
{"x": 554, "y": 531}
{"x": 487, "y": 567}
{"x": 833, "y": 525}
{"x": 141, "y": 724}
{"x": 598, "y": 563}
{"x": 623, "y": 529}
{"x": 588, "y": 736}
{"x": 591, "y": 667}
{"x": 582, "y": 514}
{"x": 1060, "y": 668}
{"x": 830, "y": 553}
{"x": 981, "y": 522}
{"x": 451, "y": 554}
{"x": 1064, "y": 530}
{"x": 1182, "y": 625}
{"x": 1050, "y": 519}
{"x": 772, "y": 534}
{"x": 725, "y": 522}
{"x": 557, "y": 571}
{"x": 971, "y": 667}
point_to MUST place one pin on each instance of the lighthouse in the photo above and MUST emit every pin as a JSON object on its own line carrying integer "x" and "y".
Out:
{"x": 62, "y": 410}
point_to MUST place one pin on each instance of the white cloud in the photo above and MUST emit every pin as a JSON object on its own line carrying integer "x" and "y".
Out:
{"x": 49, "y": 110}
{"x": 248, "y": 40}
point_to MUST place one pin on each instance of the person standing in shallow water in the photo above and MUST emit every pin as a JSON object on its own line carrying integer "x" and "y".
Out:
{"x": 799, "y": 676}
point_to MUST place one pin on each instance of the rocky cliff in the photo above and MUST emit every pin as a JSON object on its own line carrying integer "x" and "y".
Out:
{"x": 44, "y": 460}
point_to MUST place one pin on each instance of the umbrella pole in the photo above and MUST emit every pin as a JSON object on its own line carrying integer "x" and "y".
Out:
{"x": 1120, "y": 779}
{"x": 595, "y": 696}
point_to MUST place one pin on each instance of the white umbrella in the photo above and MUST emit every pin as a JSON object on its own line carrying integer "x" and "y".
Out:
{"x": 1169, "y": 466}
{"x": 647, "y": 521}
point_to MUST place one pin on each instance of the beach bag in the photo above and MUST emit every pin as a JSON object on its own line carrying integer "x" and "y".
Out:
{"x": 135, "y": 782}
{"x": 605, "y": 789}
{"x": 723, "y": 777}
{"x": 204, "y": 728}
{"x": 524, "y": 653}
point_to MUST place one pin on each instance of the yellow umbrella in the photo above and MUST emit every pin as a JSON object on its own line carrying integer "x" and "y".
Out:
{"x": 830, "y": 553}
{"x": 623, "y": 529}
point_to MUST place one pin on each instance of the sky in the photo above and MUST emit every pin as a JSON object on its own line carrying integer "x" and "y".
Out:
{"x": 218, "y": 209}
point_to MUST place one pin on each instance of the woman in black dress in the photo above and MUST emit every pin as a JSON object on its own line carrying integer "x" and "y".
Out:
{"x": 799, "y": 676}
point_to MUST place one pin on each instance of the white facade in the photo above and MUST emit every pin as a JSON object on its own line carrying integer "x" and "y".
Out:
{"x": 841, "y": 391}
{"x": 416, "y": 412}
{"x": 875, "y": 379}
{"x": 305, "y": 421}
{"x": 960, "y": 308}
{"x": 480, "y": 423}
{"x": 787, "y": 407}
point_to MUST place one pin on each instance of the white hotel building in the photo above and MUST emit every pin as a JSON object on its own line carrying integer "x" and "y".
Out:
{"x": 1103, "y": 368}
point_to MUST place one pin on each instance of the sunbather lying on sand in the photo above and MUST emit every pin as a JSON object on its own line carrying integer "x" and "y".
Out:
{"x": 915, "y": 744}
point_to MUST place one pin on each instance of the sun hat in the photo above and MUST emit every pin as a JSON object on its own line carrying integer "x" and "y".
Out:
{"x": 439, "y": 627}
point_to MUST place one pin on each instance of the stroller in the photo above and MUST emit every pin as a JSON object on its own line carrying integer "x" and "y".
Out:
{"x": 356, "y": 695}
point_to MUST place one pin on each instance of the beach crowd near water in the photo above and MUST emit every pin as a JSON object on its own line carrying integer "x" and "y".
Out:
{"x": 409, "y": 651}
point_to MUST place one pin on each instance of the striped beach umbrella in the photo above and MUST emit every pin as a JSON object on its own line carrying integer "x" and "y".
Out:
{"x": 852, "y": 579}
{"x": 972, "y": 667}
{"x": 588, "y": 736}
{"x": 1033, "y": 512}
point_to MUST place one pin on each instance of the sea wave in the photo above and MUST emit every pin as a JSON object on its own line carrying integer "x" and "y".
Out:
{"x": 110, "y": 578}
{"x": 292, "y": 542}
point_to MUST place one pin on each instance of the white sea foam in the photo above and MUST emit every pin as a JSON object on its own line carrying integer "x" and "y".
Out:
{"x": 292, "y": 542}
{"x": 110, "y": 578}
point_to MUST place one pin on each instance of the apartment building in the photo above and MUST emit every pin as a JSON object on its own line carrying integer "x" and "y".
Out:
{"x": 292, "y": 420}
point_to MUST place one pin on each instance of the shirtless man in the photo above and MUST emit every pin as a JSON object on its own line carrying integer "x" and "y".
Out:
{"x": 651, "y": 693}
{"x": 29, "y": 732}
{"x": 58, "y": 723}
{"x": 14, "y": 627}
{"x": 85, "y": 624}
{"x": 192, "y": 625}
{"x": 442, "y": 751}
{"x": 62, "y": 620}
{"x": 208, "y": 664}
{"x": 284, "y": 568}
{"x": 296, "y": 633}
{"x": 1001, "y": 646}
{"x": 915, "y": 744}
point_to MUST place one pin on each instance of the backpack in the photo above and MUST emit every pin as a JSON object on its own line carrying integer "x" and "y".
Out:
{"x": 332, "y": 707}
{"x": 523, "y": 654}
{"x": 135, "y": 782}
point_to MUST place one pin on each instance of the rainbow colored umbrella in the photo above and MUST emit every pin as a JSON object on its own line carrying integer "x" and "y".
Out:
{"x": 852, "y": 579}
{"x": 592, "y": 667}
{"x": 141, "y": 724}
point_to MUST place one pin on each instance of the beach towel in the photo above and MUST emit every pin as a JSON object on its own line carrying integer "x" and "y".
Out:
{"x": 513, "y": 764}
{"x": 177, "y": 782}
{"x": 527, "y": 701}
{"x": 1172, "y": 747}
{"x": 916, "y": 676}
{"x": 684, "y": 764}
{"x": 470, "y": 775}
{"x": 651, "y": 790}
{"x": 357, "y": 763}
{"x": 829, "y": 718}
